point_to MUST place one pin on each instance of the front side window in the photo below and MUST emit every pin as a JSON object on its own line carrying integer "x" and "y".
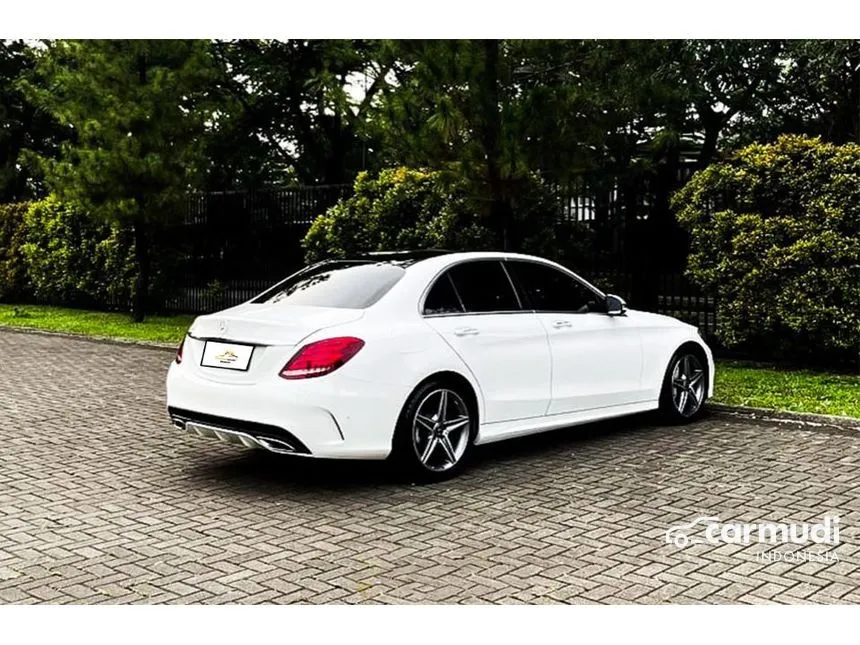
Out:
{"x": 339, "y": 284}
{"x": 483, "y": 287}
{"x": 548, "y": 289}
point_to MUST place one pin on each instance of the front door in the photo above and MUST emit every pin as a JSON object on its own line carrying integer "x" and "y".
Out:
{"x": 596, "y": 358}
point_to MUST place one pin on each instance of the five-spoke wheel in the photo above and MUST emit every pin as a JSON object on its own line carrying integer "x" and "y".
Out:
{"x": 435, "y": 431}
{"x": 688, "y": 385}
{"x": 685, "y": 387}
{"x": 440, "y": 431}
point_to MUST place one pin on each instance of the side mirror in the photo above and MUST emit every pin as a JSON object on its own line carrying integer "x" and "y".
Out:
{"x": 615, "y": 306}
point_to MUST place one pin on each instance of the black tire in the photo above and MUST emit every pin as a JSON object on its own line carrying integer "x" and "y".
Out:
{"x": 412, "y": 435}
{"x": 685, "y": 386}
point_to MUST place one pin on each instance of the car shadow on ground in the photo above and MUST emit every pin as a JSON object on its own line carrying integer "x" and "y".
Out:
{"x": 263, "y": 471}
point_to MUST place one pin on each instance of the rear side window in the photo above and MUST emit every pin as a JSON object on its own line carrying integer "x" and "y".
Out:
{"x": 442, "y": 299}
{"x": 343, "y": 285}
{"x": 548, "y": 289}
{"x": 483, "y": 287}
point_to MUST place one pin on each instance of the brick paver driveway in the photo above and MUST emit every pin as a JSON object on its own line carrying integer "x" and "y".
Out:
{"x": 102, "y": 501}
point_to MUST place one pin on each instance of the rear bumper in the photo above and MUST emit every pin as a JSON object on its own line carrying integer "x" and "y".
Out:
{"x": 330, "y": 417}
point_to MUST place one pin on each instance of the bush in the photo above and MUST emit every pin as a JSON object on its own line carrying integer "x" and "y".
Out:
{"x": 405, "y": 208}
{"x": 72, "y": 258}
{"x": 775, "y": 236}
{"x": 13, "y": 275}
{"x": 400, "y": 209}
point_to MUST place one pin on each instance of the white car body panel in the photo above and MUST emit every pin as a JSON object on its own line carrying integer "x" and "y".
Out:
{"x": 518, "y": 366}
{"x": 508, "y": 355}
{"x": 597, "y": 361}
{"x": 522, "y": 427}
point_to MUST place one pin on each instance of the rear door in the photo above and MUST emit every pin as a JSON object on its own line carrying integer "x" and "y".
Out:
{"x": 475, "y": 308}
{"x": 596, "y": 358}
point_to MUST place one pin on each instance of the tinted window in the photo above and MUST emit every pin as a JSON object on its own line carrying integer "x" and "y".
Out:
{"x": 548, "y": 289}
{"x": 442, "y": 299}
{"x": 484, "y": 286}
{"x": 344, "y": 285}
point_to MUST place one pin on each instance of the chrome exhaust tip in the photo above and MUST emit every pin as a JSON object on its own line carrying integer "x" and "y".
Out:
{"x": 277, "y": 446}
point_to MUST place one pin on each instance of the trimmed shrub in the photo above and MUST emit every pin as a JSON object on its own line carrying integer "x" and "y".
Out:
{"x": 776, "y": 236}
{"x": 405, "y": 208}
{"x": 67, "y": 254}
{"x": 13, "y": 274}
{"x": 73, "y": 258}
{"x": 400, "y": 209}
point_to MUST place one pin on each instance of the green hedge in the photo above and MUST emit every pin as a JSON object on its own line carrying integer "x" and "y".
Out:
{"x": 72, "y": 258}
{"x": 407, "y": 208}
{"x": 776, "y": 236}
{"x": 57, "y": 253}
{"x": 13, "y": 273}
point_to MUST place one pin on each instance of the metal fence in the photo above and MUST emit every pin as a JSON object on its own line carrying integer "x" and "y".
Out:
{"x": 638, "y": 249}
{"x": 233, "y": 245}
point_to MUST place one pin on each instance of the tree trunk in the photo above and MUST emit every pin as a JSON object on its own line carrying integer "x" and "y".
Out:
{"x": 335, "y": 164}
{"x": 141, "y": 243}
{"x": 491, "y": 141}
{"x": 141, "y": 258}
{"x": 709, "y": 145}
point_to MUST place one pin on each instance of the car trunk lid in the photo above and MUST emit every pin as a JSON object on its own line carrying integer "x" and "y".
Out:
{"x": 270, "y": 324}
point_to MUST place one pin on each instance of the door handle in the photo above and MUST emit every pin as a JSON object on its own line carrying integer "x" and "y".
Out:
{"x": 562, "y": 324}
{"x": 466, "y": 331}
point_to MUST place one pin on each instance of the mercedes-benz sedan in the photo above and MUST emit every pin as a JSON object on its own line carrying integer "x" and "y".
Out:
{"x": 420, "y": 356}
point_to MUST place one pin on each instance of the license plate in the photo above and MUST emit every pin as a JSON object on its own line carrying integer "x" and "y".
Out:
{"x": 228, "y": 356}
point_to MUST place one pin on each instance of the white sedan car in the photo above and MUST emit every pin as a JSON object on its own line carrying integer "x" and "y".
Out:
{"x": 420, "y": 356}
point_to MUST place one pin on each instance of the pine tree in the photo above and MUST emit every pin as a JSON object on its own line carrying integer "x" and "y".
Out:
{"x": 137, "y": 111}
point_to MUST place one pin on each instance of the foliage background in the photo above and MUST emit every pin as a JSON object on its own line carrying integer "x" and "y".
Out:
{"x": 13, "y": 273}
{"x": 404, "y": 208}
{"x": 776, "y": 236}
{"x": 61, "y": 254}
{"x": 120, "y": 131}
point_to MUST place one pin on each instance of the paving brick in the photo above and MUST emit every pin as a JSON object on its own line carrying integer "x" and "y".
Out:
{"x": 101, "y": 501}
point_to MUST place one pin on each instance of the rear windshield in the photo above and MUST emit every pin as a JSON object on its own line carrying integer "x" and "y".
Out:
{"x": 343, "y": 285}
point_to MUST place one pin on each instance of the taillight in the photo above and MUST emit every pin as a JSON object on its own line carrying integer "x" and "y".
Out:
{"x": 179, "y": 351}
{"x": 322, "y": 357}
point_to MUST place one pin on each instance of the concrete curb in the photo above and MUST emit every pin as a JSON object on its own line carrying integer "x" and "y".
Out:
{"x": 780, "y": 416}
{"x": 107, "y": 340}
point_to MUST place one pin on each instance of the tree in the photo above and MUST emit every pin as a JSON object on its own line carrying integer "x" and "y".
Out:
{"x": 496, "y": 110}
{"x": 817, "y": 93}
{"x": 824, "y": 79}
{"x": 720, "y": 82}
{"x": 22, "y": 125}
{"x": 297, "y": 110}
{"x": 449, "y": 106}
{"x": 137, "y": 110}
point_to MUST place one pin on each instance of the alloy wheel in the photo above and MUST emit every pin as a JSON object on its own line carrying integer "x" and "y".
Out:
{"x": 688, "y": 385}
{"x": 440, "y": 430}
